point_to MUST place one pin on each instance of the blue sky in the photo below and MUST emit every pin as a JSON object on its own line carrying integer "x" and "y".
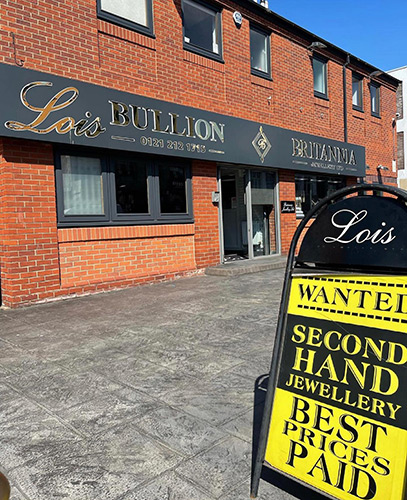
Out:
{"x": 373, "y": 30}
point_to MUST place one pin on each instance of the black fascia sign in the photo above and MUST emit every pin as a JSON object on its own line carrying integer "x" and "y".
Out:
{"x": 335, "y": 415}
{"x": 46, "y": 107}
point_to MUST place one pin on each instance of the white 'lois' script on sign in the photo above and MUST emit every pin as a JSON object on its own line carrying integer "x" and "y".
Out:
{"x": 352, "y": 219}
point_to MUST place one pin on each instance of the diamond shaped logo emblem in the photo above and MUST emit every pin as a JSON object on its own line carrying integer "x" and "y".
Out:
{"x": 261, "y": 144}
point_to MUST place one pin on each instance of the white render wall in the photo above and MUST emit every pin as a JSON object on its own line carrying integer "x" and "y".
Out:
{"x": 401, "y": 74}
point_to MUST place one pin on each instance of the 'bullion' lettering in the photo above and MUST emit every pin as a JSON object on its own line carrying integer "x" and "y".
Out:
{"x": 154, "y": 119}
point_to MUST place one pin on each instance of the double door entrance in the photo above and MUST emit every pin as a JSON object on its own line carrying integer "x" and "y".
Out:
{"x": 248, "y": 211}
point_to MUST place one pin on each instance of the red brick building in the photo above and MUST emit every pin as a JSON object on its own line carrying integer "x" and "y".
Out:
{"x": 144, "y": 140}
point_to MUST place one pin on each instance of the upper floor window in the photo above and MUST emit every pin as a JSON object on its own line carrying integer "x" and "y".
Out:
{"x": 319, "y": 67}
{"x": 260, "y": 52}
{"x": 202, "y": 28}
{"x": 133, "y": 14}
{"x": 375, "y": 99}
{"x": 357, "y": 92}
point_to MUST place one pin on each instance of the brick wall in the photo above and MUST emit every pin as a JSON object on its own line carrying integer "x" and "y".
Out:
{"x": 29, "y": 266}
{"x": 67, "y": 39}
{"x": 288, "y": 221}
{"x": 206, "y": 214}
{"x": 101, "y": 255}
{"x": 38, "y": 261}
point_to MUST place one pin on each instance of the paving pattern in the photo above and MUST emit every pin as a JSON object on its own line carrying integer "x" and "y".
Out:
{"x": 140, "y": 394}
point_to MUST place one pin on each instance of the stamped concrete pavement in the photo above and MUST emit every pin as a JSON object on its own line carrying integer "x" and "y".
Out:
{"x": 141, "y": 394}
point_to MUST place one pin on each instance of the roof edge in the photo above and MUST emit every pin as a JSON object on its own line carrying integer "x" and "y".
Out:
{"x": 309, "y": 36}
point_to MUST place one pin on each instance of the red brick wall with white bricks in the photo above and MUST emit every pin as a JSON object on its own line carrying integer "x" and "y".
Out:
{"x": 39, "y": 261}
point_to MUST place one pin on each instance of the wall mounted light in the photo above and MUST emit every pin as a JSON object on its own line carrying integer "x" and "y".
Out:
{"x": 316, "y": 45}
{"x": 378, "y": 72}
{"x": 382, "y": 167}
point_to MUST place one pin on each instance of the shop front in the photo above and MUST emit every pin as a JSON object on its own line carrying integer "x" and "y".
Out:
{"x": 103, "y": 189}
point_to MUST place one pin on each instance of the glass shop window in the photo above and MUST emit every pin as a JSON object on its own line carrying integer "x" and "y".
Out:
{"x": 173, "y": 197}
{"x": 82, "y": 185}
{"x": 131, "y": 187}
{"x": 117, "y": 188}
{"x": 310, "y": 189}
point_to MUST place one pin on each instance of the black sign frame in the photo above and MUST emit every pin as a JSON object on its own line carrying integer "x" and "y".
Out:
{"x": 293, "y": 263}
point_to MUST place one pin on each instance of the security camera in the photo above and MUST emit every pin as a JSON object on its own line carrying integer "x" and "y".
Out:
{"x": 397, "y": 115}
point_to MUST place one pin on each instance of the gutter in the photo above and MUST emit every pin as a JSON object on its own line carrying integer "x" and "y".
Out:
{"x": 345, "y": 99}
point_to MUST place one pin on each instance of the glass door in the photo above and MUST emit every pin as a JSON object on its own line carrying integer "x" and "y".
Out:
{"x": 234, "y": 214}
{"x": 248, "y": 213}
{"x": 263, "y": 214}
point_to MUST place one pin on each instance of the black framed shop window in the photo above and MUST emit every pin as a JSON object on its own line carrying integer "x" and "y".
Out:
{"x": 357, "y": 92}
{"x": 202, "y": 28}
{"x": 260, "y": 52}
{"x": 136, "y": 15}
{"x": 310, "y": 189}
{"x": 319, "y": 68}
{"x": 108, "y": 189}
{"x": 375, "y": 99}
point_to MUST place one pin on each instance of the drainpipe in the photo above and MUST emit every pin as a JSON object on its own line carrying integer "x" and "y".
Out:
{"x": 345, "y": 108}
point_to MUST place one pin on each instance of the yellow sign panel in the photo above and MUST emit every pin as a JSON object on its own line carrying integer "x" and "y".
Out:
{"x": 377, "y": 301}
{"x": 339, "y": 416}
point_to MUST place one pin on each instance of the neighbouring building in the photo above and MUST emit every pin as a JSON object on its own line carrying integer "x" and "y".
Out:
{"x": 141, "y": 140}
{"x": 401, "y": 125}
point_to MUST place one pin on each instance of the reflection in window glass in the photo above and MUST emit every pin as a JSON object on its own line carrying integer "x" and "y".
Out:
{"x": 357, "y": 91}
{"x": 82, "y": 185}
{"x": 319, "y": 69}
{"x": 259, "y": 52}
{"x": 310, "y": 189}
{"x": 172, "y": 190}
{"x": 375, "y": 99}
{"x": 131, "y": 10}
{"x": 131, "y": 187}
{"x": 201, "y": 26}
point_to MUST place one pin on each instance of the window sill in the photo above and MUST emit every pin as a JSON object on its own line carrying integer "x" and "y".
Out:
{"x": 66, "y": 235}
{"x": 260, "y": 74}
{"x": 358, "y": 113}
{"x": 108, "y": 28}
{"x": 321, "y": 97}
{"x": 261, "y": 81}
{"x": 203, "y": 53}
{"x": 320, "y": 101}
{"x": 204, "y": 61}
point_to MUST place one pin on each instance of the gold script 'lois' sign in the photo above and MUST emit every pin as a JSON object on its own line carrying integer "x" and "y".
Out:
{"x": 64, "y": 125}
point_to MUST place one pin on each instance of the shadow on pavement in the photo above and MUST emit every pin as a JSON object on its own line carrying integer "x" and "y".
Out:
{"x": 270, "y": 476}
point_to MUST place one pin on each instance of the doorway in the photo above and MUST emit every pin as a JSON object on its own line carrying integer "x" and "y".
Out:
{"x": 248, "y": 213}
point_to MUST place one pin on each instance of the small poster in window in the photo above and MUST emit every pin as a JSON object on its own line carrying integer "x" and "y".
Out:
{"x": 288, "y": 207}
